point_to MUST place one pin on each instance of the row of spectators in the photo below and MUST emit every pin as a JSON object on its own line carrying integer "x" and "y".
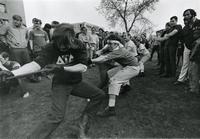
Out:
{"x": 175, "y": 42}
{"x": 24, "y": 44}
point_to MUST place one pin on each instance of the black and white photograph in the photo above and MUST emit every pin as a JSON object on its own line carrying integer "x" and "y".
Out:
{"x": 99, "y": 69}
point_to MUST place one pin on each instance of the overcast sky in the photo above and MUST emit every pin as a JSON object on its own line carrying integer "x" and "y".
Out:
{"x": 74, "y": 11}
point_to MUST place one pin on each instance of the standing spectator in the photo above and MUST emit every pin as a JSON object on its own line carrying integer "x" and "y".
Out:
{"x": 174, "y": 37}
{"x": 186, "y": 56}
{"x": 192, "y": 41}
{"x": 143, "y": 56}
{"x": 38, "y": 39}
{"x": 145, "y": 40}
{"x": 101, "y": 38}
{"x": 155, "y": 48}
{"x": 94, "y": 42}
{"x": 47, "y": 28}
{"x": 171, "y": 46}
{"x": 162, "y": 50}
{"x": 54, "y": 24}
{"x": 30, "y": 28}
{"x": 3, "y": 42}
{"x": 123, "y": 34}
{"x": 85, "y": 38}
{"x": 17, "y": 39}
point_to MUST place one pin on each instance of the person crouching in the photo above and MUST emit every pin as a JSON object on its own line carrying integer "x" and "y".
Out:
{"x": 128, "y": 68}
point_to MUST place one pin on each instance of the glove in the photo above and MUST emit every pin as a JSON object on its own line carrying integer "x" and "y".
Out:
{"x": 4, "y": 74}
{"x": 55, "y": 68}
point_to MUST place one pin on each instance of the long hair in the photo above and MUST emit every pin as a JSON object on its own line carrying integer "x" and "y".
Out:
{"x": 64, "y": 35}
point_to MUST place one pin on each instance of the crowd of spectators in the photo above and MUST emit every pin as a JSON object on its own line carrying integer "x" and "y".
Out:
{"x": 172, "y": 44}
{"x": 118, "y": 56}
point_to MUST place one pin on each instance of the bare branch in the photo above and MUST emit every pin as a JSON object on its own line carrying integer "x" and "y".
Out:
{"x": 129, "y": 11}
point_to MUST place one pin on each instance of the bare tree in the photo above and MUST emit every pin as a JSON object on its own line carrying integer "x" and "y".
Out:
{"x": 142, "y": 28}
{"x": 127, "y": 12}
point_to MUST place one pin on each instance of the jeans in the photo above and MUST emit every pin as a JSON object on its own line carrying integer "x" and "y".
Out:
{"x": 119, "y": 76}
{"x": 170, "y": 59}
{"x": 60, "y": 95}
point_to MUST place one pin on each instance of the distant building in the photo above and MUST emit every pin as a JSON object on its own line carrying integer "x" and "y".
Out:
{"x": 10, "y": 7}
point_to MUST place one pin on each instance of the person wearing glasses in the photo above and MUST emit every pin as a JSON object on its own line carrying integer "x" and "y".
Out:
{"x": 128, "y": 67}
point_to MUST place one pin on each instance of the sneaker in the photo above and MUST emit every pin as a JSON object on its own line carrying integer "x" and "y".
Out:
{"x": 26, "y": 95}
{"x": 108, "y": 111}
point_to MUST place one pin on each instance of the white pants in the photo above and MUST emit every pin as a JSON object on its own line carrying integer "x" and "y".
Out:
{"x": 119, "y": 76}
{"x": 144, "y": 59}
{"x": 184, "y": 68}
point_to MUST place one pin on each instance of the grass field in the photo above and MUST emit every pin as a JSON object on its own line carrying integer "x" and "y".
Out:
{"x": 154, "y": 108}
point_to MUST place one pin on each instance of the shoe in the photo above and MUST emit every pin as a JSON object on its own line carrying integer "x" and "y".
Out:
{"x": 141, "y": 74}
{"x": 107, "y": 112}
{"x": 179, "y": 83}
{"x": 124, "y": 89}
{"x": 26, "y": 95}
